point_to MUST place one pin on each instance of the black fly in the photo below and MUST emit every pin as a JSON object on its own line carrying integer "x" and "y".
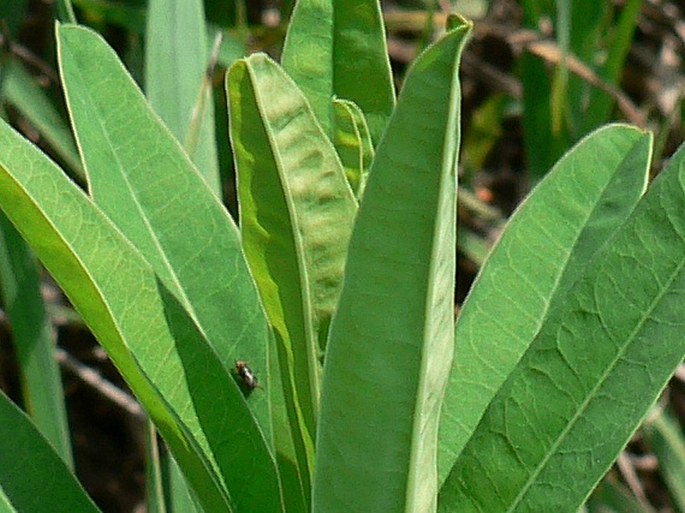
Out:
{"x": 247, "y": 378}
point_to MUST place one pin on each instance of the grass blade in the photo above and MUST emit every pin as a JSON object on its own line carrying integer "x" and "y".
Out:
{"x": 42, "y": 390}
{"x": 665, "y": 436}
{"x": 175, "y": 78}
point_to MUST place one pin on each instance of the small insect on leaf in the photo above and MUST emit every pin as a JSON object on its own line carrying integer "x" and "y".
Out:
{"x": 247, "y": 379}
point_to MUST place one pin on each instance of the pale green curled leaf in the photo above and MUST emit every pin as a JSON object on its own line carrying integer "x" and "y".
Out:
{"x": 176, "y": 60}
{"x": 196, "y": 405}
{"x": 390, "y": 343}
{"x": 139, "y": 175}
{"x": 353, "y": 143}
{"x": 588, "y": 379}
{"x": 296, "y": 212}
{"x": 338, "y": 49}
{"x": 665, "y": 437}
{"x": 541, "y": 252}
{"x": 32, "y": 476}
{"x": 20, "y": 89}
{"x": 32, "y": 335}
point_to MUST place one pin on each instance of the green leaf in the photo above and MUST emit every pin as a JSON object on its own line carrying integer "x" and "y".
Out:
{"x": 541, "y": 252}
{"x": 175, "y": 79}
{"x": 42, "y": 391}
{"x": 591, "y": 374}
{"x": 296, "y": 211}
{"x": 33, "y": 478}
{"x": 665, "y": 437}
{"x": 144, "y": 182}
{"x": 338, "y": 49}
{"x": 160, "y": 352}
{"x": 353, "y": 143}
{"x": 391, "y": 340}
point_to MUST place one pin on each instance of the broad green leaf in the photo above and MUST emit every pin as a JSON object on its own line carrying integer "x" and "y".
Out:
{"x": 353, "y": 143}
{"x": 21, "y": 90}
{"x": 42, "y": 391}
{"x": 144, "y": 182}
{"x": 338, "y": 49}
{"x": 175, "y": 79}
{"x": 665, "y": 437}
{"x": 194, "y": 402}
{"x": 541, "y": 252}
{"x": 590, "y": 376}
{"x": 296, "y": 211}
{"x": 33, "y": 477}
{"x": 390, "y": 344}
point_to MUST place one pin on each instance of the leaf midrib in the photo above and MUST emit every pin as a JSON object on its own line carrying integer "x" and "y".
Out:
{"x": 583, "y": 406}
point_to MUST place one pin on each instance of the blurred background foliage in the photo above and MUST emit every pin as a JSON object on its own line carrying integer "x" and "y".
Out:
{"x": 537, "y": 76}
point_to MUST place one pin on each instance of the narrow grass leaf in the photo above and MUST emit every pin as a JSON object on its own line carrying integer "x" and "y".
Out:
{"x": 32, "y": 334}
{"x": 618, "y": 39}
{"x": 33, "y": 477}
{"x": 139, "y": 175}
{"x": 612, "y": 496}
{"x": 665, "y": 437}
{"x": 175, "y": 85}
{"x": 586, "y": 382}
{"x": 194, "y": 402}
{"x": 338, "y": 49}
{"x": 20, "y": 89}
{"x": 542, "y": 251}
{"x": 390, "y": 344}
{"x": 128, "y": 16}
